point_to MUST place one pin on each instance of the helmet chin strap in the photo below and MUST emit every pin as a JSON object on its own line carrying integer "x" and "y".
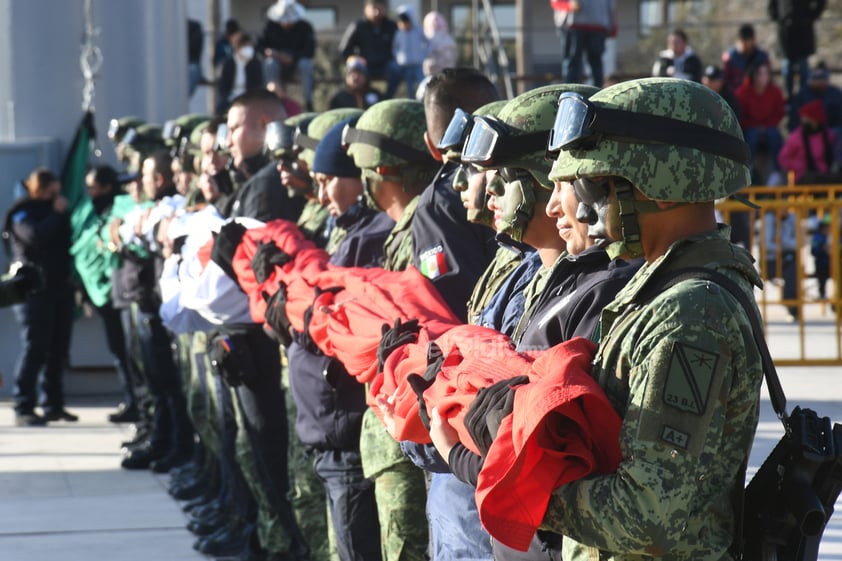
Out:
{"x": 627, "y": 209}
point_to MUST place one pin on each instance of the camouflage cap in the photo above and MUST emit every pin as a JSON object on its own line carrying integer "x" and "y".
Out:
{"x": 531, "y": 112}
{"x": 118, "y": 127}
{"x": 318, "y": 127}
{"x": 661, "y": 171}
{"x": 390, "y": 133}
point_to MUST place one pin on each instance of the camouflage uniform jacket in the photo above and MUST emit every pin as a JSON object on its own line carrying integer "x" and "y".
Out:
{"x": 684, "y": 373}
{"x": 505, "y": 261}
{"x": 398, "y": 247}
{"x": 312, "y": 222}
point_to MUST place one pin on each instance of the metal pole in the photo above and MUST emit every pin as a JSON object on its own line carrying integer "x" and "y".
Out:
{"x": 213, "y": 27}
{"x": 475, "y": 16}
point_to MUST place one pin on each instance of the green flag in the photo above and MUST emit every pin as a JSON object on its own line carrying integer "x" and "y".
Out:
{"x": 73, "y": 175}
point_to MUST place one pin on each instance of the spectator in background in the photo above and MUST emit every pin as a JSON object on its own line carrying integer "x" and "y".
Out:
{"x": 762, "y": 109}
{"x": 714, "y": 78}
{"x": 241, "y": 72}
{"x": 743, "y": 55}
{"x": 819, "y": 87}
{"x": 441, "y": 52}
{"x": 808, "y": 150}
{"x": 371, "y": 38}
{"x": 37, "y": 231}
{"x": 357, "y": 91}
{"x": 288, "y": 43}
{"x": 795, "y": 20}
{"x": 195, "y": 46}
{"x": 820, "y": 250}
{"x": 585, "y": 27}
{"x": 224, "y": 48}
{"x": 409, "y": 49}
{"x": 678, "y": 60}
{"x": 291, "y": 106}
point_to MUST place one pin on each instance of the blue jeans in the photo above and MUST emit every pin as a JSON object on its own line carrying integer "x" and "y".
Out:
{"x": 396, "y": 73}
{"x": 579, "y": 43}
{"x": 46, "y": 321}
{"x": 788, "y": 69}
{"x": 774, "y": 142}
{"x": 455, "y": 529}
{"x": 353, "y": 509}
{"x": 274, "y": 70}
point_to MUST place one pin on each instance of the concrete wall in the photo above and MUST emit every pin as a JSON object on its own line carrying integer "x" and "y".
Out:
{"x": 144, "y": 73}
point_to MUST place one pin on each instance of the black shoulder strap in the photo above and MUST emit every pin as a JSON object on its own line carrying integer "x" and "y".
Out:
{"x": 659, "y": 284}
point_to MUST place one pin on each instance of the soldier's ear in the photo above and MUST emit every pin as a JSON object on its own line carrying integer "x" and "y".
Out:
{"x": 431, "y": 146}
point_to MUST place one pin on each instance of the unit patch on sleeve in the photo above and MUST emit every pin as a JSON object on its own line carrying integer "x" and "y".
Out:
{"x": 689, "y": 378}
{"x": 433, "y": 262}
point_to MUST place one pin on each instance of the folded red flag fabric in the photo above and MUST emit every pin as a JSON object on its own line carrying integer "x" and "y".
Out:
{"x": 562, "y": 428}
{"x": 346, "y": 325}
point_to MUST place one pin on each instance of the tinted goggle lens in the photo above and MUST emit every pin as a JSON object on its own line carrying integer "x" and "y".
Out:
{"x": 221, "y": 138}
{"x": 479, "y": 147}
{"x": 130, "y": 137}
{"x": 169, "y": 132}
{"x": 457, "y": 130}
{"x": 279, "y": 136}
{"x": 571, "y": 123}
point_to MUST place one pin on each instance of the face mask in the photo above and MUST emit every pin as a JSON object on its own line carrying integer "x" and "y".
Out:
{"x": 246, "y": 53}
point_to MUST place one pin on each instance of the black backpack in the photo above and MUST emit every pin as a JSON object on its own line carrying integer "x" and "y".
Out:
{"x": 782, "y": 513}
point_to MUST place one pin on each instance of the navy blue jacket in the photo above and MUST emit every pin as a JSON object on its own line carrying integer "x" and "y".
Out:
{"x": 442, "y": 234}
{"x": 37, "y": 234}
{"x": 263, "y": 197}
{"x": 506, "y": 308}
{"x": 578, "y": 289}
{"x": 330, "y": 402}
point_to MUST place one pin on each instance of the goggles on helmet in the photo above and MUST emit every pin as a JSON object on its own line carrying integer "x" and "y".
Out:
{"x": 221, "y": 143}
{"x": 456, "y": 132}
{"x": 279, "y": 136}
{"x": 492, "y": 142}
{"x": 171, "y": 130}
{"x": 580, "y": 125}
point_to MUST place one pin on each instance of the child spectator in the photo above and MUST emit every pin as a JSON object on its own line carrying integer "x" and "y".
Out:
{"x": 762, "y": 109}
{"x": 808, "y": 150}
{"x": 409, "y": 48}
{"x": 821, "y": 255}
{"x": 441, "y": 52}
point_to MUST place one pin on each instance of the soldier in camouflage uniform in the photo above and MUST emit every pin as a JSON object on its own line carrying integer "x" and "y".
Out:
{"x": 387, "y": 143}
{"x": 681, "y": 367}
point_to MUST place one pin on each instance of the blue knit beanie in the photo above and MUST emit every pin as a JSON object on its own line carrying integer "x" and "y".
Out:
{"x": 330, "y": 157}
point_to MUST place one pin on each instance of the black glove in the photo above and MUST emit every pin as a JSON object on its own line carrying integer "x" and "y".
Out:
{"x": 304, "y": 338}
{"x": 28, "y": 279}
{"x": 419, "y": 384}
{"x": 395, "y": 337}
{"x": 231, "y": 358}
{"x": 488, "y": 409}
{"x": 266, "y": 258}
{"x": 276, "y": 317}
{"x": 225, "y": 244}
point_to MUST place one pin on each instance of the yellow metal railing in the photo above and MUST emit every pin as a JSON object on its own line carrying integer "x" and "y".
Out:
{"x": 806, "y": 206}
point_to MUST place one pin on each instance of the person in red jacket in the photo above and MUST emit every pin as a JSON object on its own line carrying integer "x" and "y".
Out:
{"x": 762, "y": 108}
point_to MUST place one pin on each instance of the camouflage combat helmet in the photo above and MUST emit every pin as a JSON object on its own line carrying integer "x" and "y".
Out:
{"x": 196, "y": 135}
{"x": 141, "y": 142}
{"x": 176, "y": 130}
{"x": 283, "y": 145}
{"x": 524, "y": 123}
{"x": 118, "y": 127}
{"x": 535, "y": 112}
{"x": 389, "y": 133}
{"x": 318, "y": 127}
{"x": 703, "y": 158}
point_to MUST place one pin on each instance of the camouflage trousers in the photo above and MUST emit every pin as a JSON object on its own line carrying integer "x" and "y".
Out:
{"x": 201, "y": 396}
{"x": 400, "y": 491}
{"x": 307, "y": 495}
